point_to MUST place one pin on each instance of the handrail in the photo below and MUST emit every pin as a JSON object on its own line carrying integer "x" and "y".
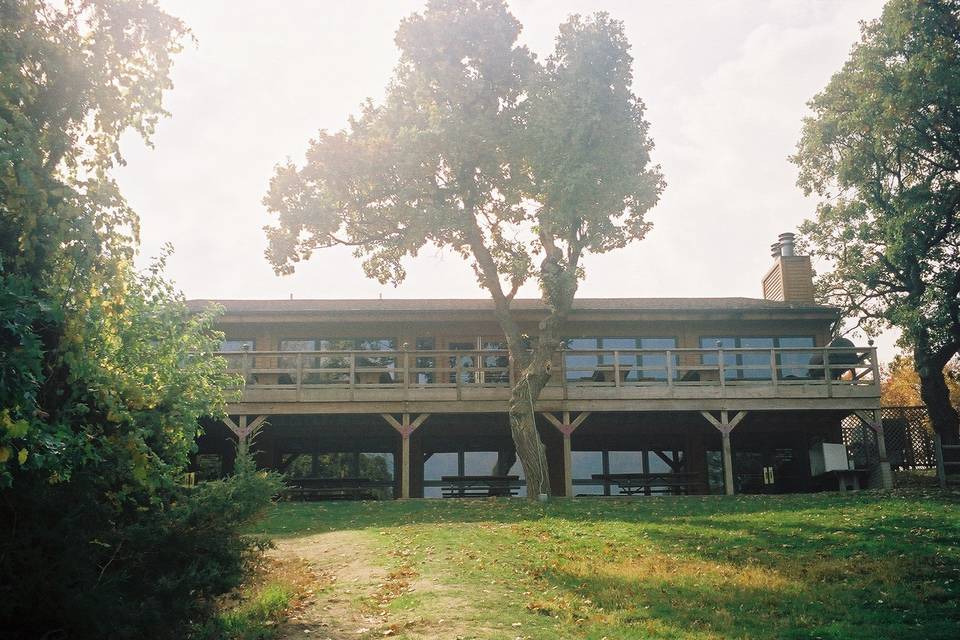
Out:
{"x": 672, "y": 367}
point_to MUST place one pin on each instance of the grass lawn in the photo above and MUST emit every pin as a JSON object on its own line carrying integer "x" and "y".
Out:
{"x": 866, "y": 565}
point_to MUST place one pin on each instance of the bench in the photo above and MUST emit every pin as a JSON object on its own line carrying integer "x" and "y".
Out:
{"x": 479, "y": 486}
{"x": 330, "y": 489}
{"x": 631, "y": 484}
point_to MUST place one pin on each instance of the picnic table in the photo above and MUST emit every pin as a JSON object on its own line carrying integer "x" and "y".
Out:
{"x": 631, "y": 484}
{"x": 479, "y": 486}
{"x": 330, "y": 489}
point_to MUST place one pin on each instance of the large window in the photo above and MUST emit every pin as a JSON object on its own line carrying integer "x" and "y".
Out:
{"x": 586, "y": 464}
{"x": 744, "y": 365}
{"x": 235, "y": 360}
{"x": 369, "y": 368}
{"x": 425, "y": 362}
{"x": 634, "y": 367}
{"x": 463, "y": 463}
{"x": 496, "y": 368}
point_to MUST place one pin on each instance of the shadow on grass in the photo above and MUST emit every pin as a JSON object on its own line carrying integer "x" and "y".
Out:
{"x": 701, "y": 603}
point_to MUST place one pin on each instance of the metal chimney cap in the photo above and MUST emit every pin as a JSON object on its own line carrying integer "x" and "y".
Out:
{"x": 786, "y": 244}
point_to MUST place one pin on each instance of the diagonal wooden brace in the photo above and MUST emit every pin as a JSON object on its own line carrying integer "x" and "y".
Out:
{"x": 244, "y": 429}
{"x": 405, "y": 427}
{"x": 725, "y": 425}
{"x": 566, "y": 427}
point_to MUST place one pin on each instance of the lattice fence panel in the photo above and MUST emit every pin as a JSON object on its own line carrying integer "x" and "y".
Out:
{"x": 907, "y": 436}
{"x": 861, "y": 442}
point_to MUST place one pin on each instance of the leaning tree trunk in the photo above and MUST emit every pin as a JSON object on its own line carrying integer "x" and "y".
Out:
{"x": 936, "y": 396}
{"x": 523, "y": 425}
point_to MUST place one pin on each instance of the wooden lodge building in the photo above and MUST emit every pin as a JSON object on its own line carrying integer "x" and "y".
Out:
{"x": 407, "y": 398}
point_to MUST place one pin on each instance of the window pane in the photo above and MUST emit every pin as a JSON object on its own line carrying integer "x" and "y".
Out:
{"x": 290, "y": 362}
{"x": 376, "y": 344}
{"x": 626, "y": 461}
{"x": 382, "y": 362}
{"x": 580, "y": 368}
{"x": 658, "y": 343}
{"x": 236, "y": 345}
{"x": 758, "y": 362}
{"x": 588, "y": 489}
{"x": 479, "y": 463}
{"x": 298, "y": 345}
{"x": 440, "y": 464}
{"x": 655, "y": 364}
{"x": 585, "y": 464}
{"x": 499, "y": 364}
{"x": 657, "y": 464}
{"x": 236, "y": 361}
{"x": 376, "y": 466}
{"x": 335, "y": 344}
{"x": 425, "y": 362}
{"x": 618, "y": 343}
{"x": 729, "y": 359}
{"x": 795, "y": 364}
{"x": 627, "y": 361}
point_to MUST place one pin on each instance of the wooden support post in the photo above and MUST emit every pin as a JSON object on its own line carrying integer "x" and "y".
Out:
{"x": 725, "y": 426}
{"x": 566, "y": 427}
{"x": 244, "y": 430}
{"x": 567, "y": 466}
{"x": 405, "y": 428}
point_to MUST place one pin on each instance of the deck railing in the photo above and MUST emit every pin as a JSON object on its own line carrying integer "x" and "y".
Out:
{"x": 829, "y": 367}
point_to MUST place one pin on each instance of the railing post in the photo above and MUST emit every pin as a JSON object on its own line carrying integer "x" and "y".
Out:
{"x": 774, "y": 374}
{"x": 616, "y": 368}
{"x": 874, "y": 365}
{"x": 353, "y": 369}
{"x": 406, "y": 367}
{"x": 563, "y": 369}
{"x": 457, "y": 372}
{"x": 299, "y": 373}
{"x": 245, "y": 364}
{"x": 827, "y": 374}
{"x": 722, "y": 369}
{"x": 669, "y": 368}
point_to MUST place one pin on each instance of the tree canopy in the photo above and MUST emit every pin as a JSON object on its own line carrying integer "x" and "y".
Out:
{"x": 882, "y": 151}
{"x": 520, "y": 166}
{"x": 900, "y": 386}
{"x": 104, "y": 372}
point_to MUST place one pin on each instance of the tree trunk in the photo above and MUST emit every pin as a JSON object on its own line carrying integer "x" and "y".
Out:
{"x": 936, "y": 397}
{"x": 523, "y": 425}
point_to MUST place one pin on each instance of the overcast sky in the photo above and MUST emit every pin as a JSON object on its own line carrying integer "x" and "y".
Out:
{"x": 725, "y": 84}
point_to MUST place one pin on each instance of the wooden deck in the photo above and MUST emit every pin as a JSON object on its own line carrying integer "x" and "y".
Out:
{"x": 604, "y": 380}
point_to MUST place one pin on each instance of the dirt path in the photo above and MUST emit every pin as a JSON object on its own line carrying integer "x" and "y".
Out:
{"x": 358, "y": 598}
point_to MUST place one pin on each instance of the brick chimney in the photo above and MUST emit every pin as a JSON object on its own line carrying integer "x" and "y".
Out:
{"x": 790, "y": 279}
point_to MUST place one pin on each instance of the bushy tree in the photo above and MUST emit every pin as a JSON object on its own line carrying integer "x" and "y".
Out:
{"x": 521, "y": 167}
{"x": 882, "y": 150}
{"x": 104, "y": 373}
{"x": 900, "y": 384}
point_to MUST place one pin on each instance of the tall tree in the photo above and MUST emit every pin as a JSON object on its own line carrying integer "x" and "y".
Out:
{"x": 101, "y": 388}
{"x": 900, "y": 386}
{"x": 882, "y": 150}
{"x": 520, "y": 167}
